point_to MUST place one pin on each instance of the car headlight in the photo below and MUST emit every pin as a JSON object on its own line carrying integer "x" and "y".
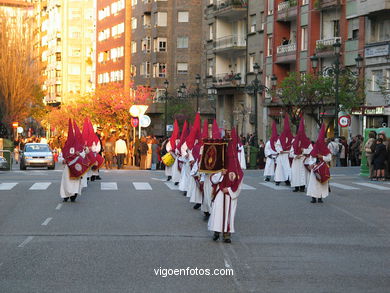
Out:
{"x": 49, "y": 157}
{"x": 28, "y": 157}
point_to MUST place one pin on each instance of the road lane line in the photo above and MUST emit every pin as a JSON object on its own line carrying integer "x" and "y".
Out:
{"x": 247, "y": 187}
{"x": 59, "y": 206}
{"x": 342, "y": 186}
{"x": 273, "y": 186}
{"x": 27, "y": 240}
{"x": 108, "y": 186}
{"x": 46, "y": 222}
{"x": 172, "y": 186}
{"x": 40, "y": 186}
{"x": 158, "y": 179}
{"x": 142, "y": 186}
{"x": 375, "y": 186}
{"x": 7, "y": 186}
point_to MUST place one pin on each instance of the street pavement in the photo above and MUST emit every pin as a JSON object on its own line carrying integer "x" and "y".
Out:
{"x": 123, "y": 228}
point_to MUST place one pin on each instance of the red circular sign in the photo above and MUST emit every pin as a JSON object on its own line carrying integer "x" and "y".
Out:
{"x": 344, "y": 121}
{"x": 134, "y": 121}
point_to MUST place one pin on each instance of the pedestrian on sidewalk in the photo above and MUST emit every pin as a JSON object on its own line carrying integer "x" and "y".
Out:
{"x": 379, "y": 159}
{"x": 120, "y": 151}
{"x": 143, "y": 148}
{"x": 154, "y": 154}
{"x": 369, "y": 148}
{"x": 109, "y": 152}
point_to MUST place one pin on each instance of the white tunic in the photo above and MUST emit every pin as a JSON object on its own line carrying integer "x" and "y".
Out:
{"x": 283, "y": 168}
{"x": 207, "y": 190}
{"x": 299, "y": 173}
{"x": 168, "y": 170}
{"x": 176, "y": 174}
{"x": 241, "y": 156}
{"x": 269, "y": 169}
{"x": 69, "y": 187}
{"x": 223, "y": 208}
{"x": 193, "y": 190}
{"x": 316, "y": 188}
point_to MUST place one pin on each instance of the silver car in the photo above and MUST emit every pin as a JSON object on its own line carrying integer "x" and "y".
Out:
{"x": 37, "y": 155}
{"x": 3, "y": 163}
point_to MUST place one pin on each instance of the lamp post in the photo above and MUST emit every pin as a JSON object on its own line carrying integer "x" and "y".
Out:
{"x": 166, "y": 84}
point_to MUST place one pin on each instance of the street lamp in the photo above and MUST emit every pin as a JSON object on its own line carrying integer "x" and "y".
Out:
{"x": 166, "y": 84}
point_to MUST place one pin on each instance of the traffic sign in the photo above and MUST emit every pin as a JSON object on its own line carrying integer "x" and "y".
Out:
{"x": 20, "y": 129}
{"x": 344, "y": 121}
{"x": 134, "y": 121}
{"x": 15, "y": 124}
{"x": 145, "y": 121}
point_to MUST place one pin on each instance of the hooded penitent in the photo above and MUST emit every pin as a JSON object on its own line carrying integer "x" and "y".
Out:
{"x": 175, "y": 135}
{"x": 205, "y": 130}
{"x": 216, "y": 131}
{"x": 89, "y": 159}
{"x": 183, "y": 136}
{"x": 190, "y": 141}
{"x": 274, "y": 136}
{"x": 234, "y": 174}
{"x": 286, "y": 136}
{"x": 301, "y": 141}
{"x": 92, "y": 142}
{"x": 320, "y": 146}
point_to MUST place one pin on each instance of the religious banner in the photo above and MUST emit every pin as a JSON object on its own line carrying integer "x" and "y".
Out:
{"x": 213, "y": 156}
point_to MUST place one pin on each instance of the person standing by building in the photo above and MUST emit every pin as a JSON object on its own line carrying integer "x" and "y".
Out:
{"x": 379, "y": 160}
{"x": 271, "y": 154}
{"x": 109, "y": 152}
{"x": 154, "y": 154}
{"x": 143, "y": 147}
{"x": 369, "y": 148}
{"x": 120, "y": 151}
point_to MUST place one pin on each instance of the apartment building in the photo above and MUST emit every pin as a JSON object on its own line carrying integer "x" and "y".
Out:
{"x": 113, "y": 29}
{"x": 70, "y": 49}
{"x": 165, "y": 46}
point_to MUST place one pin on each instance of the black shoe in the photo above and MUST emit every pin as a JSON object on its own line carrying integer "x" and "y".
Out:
{"x": 73, "y": 198}
{"x": 206, "y": 216}
{"x": 277, "y": 183}
{"x": 98, "y": 178}
{"x": 296, "y": 189}
{"x": 227, "y": 240}
{"x": 184, "y": 193}
{"x": 93, "y": 178}
{"x": 288, "y": 182}
{"x": 197, "y": 206}
{"x": 302, "y": 188}
{"x": 169, "y": 178}
{"x": 216, "y": 236}
{"x": 320, "y": 200}
{"x": 313, "y": 200}
{"x": 65, "y": 199}
{"x": 176, "y": 183}
{"x": 267, "y": 179}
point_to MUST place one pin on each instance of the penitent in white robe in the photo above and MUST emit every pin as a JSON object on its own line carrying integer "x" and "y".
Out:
{"x": 269, "y": 169}
{"x": 315, "y": 188}
{"x": 223, "y": 208}
{"x": 283, "y": 168}
{"x": 299, "y": 173}
{"x": 195, "y": 192}
{"x": 168, "y": 170}
{"x": 241, "y": 156}
{"x": 69, "y": 187}
{"x": 207, "y": 190}
{"x": 176, "y": 174}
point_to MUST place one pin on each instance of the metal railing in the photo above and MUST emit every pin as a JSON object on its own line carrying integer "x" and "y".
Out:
{"x": 230, "y": 41}
{"x": 286, "y": 48}
{"x": 327, "y": 42}
{"x": 221, "y": 4}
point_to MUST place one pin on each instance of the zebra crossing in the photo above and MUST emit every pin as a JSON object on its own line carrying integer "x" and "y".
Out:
{"x": 157, "y": 185}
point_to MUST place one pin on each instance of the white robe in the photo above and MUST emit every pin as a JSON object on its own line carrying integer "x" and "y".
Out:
{"x": 315, "y": 188}
{"x": 185, "y": 175}
{"x": 269, "y": 169}
{"x": 283, "y": 168}
{"x": 241, "y": 156}
{"x": 168, "y": 170}
{"x": 299, "y": 173}
{"x": 207, "y": 190}
{"x": 176, "y": 174}
{"x": 193, "y": 190}
{"x": 69, "y": 187}
{"x": 223, "y": 208}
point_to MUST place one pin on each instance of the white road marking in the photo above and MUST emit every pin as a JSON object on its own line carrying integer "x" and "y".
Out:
{"x": 108, "y": 186}
{"x": 247, "y": 187}
{"x": 40, "y": 186}
{"x": 273, "y": 186}
{"x": 27, "y": 240}
{"x": 342, "y": 186}
{"x": 172, "y": 186}
{"x": 46, "y": 222}
{"x": 7, "y": 186}
{"x": 158, "y": 179}
{"x": 59, "y": 206}
{"x": 227, "y": 265}
{"x": 142, "y": 186}
{"x": 375, "y": 186}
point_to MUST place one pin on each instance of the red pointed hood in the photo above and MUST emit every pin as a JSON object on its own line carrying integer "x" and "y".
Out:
{"x": 77, "y": 133}
{"x": 274, "y": 136}
{"x": 234, "y": 174}
{"x": 184, "y": 135}
{"x": 89, "y": 134}
{"x": 301, "y": 141}
{"x": 320, "y": 146}
{"x": 216, "y": 132}
{"x": 174, "y": 135}
{"x": 72, "y": 146}
{"x": 190, "y": 141}
{"x": 286, "y": 136}
{"x": 205, "y": 131}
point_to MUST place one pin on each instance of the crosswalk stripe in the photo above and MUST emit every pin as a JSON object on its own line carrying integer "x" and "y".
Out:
{"x": 40, "y": 186}
{"x": 172, "y": 186}
{"x": 7, "y": 186}
{"x": 342, "y": 186}
{"x": 247, "y": 187}
{"x": 375, "y": 186}
{"x": 142, "y": 186}
{"x": 273, "y": 186}
{"x": 108, "y": 186}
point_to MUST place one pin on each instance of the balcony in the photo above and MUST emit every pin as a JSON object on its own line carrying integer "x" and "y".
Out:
{"x": 228, "y": 80}
{"x": 228, "y": 43}
{"x": 327, "y": 4}
{"x": 287, "y": 10}
{"x": 324, "y": 47}
{"x": 231, "y": 9}
{"x": 286, "y": 53}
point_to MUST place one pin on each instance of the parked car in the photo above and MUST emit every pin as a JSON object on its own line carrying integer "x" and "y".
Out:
{"x": 3, "y": 163}
{"x": 37, "y": 155}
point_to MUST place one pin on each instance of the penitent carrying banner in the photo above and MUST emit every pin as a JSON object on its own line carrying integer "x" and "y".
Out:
{"x": 213, "y": 155}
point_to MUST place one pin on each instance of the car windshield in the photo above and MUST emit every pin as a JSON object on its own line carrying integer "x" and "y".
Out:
{"x": 37, "y": 148}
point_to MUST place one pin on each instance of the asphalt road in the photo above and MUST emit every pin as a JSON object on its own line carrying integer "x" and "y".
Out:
{"x": 118, "y": 233}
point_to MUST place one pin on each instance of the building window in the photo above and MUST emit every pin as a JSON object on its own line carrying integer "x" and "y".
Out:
{"x": 182, "y": 16}
{"x": 103, "y": 13}
{"x": 269, "y": 46}
{"x": 251, "y": 62}
{"x": 376, "y": 80}
{"x": 117, "y": 52}
{"x": 118, "y": 29}
{"x": 133, "y": 70}
{"x": 74, "y": 13}
{"x": 210, "y": 67}
{"x": 159, "y": 70}
{"x": 74, "y": 69}
{"x": 145, "y": 69}
{"x": 211, "y": 34}
{"x": 182, "y": 68}
{"x": 74, "y": 33}
{"x": 336, "y": 28}
{"x": 305, "y": 2}
{"x": 133, "y": 23}
{"x": 379, "y": 29}
{"x": 270, "y": 7}
{"x": 146, "y": 44}
{"x": 161, "y": 19}
{"x": 160, "y": 44}
{"x": 182, "y": 42}
{"x": 74, "y": 52}
{"x": 252, "y": 20}
{"x": 104, "y": 35}
{"x": 387, "y": 79}
{"x": 353, "y": 28}
{"x": 304, "y": 39}
{"x": 116, "y": 75}
{"x": 133, "y": 47}
{"x": 146, "y": 20}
